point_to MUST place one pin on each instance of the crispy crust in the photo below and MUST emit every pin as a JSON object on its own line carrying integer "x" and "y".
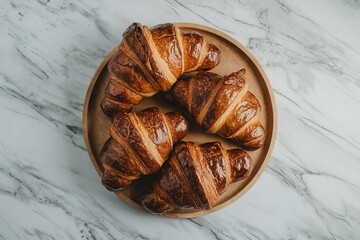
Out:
{"x": 195, "y": 176}
{"x": 149, "y": 60}
{"x": 223, "y": 106}
{"x": 139, "y": 145}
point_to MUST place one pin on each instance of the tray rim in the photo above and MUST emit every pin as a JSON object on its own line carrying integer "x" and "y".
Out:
{"x": 273, "y": 133}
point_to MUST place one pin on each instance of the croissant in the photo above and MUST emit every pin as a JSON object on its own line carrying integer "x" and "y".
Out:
{"x": 149, "y": 60}
{"x": 195, "y": 176}
{"x": 139, "y": 145}
{"x": 222, "y": 105}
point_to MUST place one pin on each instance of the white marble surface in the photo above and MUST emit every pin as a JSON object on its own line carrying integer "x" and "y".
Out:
{"x": 310, "y": 51}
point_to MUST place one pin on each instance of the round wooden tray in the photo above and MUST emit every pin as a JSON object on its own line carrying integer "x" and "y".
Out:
{"x": 234, "y": 56}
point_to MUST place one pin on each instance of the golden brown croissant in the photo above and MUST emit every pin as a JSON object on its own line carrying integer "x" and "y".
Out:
{"x": 195, "y": 176}
{"x": 139, "y": 145}
{"x": 149, "y": 60}
{"x": 222, "y": 105}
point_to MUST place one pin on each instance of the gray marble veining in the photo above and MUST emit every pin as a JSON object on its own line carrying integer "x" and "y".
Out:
{"x": 310, "y": 51}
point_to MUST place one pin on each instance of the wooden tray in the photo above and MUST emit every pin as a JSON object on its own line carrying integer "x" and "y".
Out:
{"x": 234, "y": 57}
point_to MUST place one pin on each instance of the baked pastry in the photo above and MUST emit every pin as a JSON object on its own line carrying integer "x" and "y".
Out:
{"x": 195, "y": 176}
{"x": 152, "y": 59}
{"x": 222, "y": 105}
{"x": 139, "y": 145}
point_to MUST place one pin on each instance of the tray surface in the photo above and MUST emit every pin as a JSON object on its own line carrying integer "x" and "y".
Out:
{"x": 234, "y": 56}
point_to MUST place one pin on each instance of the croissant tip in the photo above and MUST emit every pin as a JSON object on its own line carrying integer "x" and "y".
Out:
{"x": 216, "y": 54}
{"x": 114, "y": 185}
{"x": 136, "y": 24}
{"x": 111, "y": 108}
{"x": 179, "y": 125}
{"x": 154, "y": 203}
{"x": 241, "y": 164}
{"x": 212, "y": 58}
{"x": 248, "y": 146}
{"x": 254, "y": 139}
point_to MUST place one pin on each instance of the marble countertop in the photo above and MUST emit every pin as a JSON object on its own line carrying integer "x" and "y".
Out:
{"x": 310, "y": 51}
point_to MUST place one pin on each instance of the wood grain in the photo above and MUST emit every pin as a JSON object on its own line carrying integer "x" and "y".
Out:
{"x": 234, "y": 57}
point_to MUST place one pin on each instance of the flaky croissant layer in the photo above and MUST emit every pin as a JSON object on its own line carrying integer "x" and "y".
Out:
{"x": 195, "y": 176}
{"x": 139, "y": 145}
{"x": 222, "y": 105}
{"x": 152, "y": 59}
